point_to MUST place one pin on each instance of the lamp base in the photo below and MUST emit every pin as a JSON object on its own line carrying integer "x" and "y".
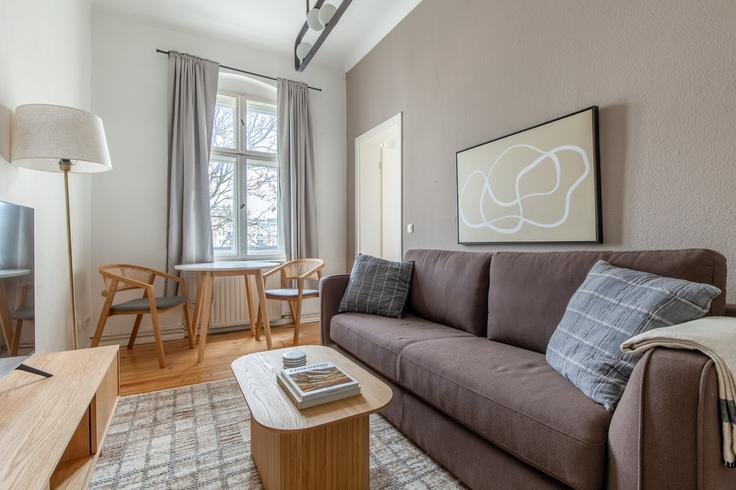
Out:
{"x": 66, "y": 166}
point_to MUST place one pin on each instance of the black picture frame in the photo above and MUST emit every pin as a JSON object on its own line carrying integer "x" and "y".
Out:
{"x": 597, "y": 184}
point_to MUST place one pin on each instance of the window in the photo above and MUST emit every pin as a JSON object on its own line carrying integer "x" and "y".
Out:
{"x": 244, "y": 179}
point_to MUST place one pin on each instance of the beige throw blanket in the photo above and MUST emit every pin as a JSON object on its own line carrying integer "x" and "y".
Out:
{"x": 716, "y": 338}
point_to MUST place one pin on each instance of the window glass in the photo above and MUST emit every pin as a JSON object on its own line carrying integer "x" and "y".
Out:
{"x": 222, "y": 203}
{"x": 226, "y": 115}
{"x": 244, "y": 179}
{"x": 261, "y": 127}
{"x": 263, "y": 213}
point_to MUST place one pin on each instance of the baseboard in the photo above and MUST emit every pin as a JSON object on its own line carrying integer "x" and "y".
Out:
{"x": 177, "y": 333}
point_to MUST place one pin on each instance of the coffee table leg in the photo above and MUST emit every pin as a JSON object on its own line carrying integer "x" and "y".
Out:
{"x": 263, "y": 308}
{"x": 206, "y": 308}
{"x": 333, "y": 456}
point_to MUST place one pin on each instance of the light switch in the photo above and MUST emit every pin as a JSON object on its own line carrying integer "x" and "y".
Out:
{"x": 410, "y": 228}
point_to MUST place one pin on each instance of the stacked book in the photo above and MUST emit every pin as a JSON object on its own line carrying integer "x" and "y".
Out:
{"x": 316, "y": 384}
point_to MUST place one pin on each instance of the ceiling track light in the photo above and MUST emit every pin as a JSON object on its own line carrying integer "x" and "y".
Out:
{"x": 322, "y": 18}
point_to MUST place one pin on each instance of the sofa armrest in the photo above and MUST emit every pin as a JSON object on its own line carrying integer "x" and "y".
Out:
{"x": 331, "y": 289}
{"x": 665, "y": 432}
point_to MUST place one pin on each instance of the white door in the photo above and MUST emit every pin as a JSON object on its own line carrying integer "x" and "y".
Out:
{"x": 378, "y": 190}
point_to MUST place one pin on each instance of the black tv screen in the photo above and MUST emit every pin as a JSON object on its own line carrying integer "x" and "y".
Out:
{"x": 17, "y": 312}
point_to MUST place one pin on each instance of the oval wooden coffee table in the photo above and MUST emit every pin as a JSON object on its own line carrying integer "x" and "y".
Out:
{"x": 322, "y": 447}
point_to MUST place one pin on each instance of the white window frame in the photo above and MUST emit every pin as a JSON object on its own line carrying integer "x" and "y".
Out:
{"x": 242, "y": 156}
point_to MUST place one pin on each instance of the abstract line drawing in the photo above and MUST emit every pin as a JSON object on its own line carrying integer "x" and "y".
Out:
{"x": 538, "y": 185}
{"x": 518, "y": 201}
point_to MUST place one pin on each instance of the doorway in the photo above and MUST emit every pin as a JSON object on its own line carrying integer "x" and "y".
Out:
{"x": 378, "y": 190}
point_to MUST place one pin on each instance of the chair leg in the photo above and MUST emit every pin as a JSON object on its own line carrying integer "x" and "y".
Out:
{"x": 157, "y": 333}
{"x": 293, "y": 317}
{"x": 101, "y": 324}
{"x": 134, "y": 333}
{"x": 297, "y": 321}
{"x": 16, "y": 338}
{"x": 188, "y": 323}
{"x": 257, "y": 325}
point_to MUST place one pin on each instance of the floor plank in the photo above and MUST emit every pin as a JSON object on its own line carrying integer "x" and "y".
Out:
{"x": 139, "y": 371}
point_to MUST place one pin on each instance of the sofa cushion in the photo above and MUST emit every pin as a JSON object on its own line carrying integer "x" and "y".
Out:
{"x": 451, "y": 288}
{"x": 514, "y": 399}
{"x": 529, "y": 291}
{"x": 612, "y": 305}
{"x": 377, "y": 341}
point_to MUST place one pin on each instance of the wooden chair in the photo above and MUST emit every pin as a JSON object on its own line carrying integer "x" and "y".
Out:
{"x": 126, "y": 277}
{"x": 294, "y": 271}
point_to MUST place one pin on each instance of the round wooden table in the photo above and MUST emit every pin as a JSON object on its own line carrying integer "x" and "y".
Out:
{"x": 206, "y": 274}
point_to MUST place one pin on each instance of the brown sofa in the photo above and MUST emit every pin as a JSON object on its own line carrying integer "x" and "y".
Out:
{"x": 472, "y": 387}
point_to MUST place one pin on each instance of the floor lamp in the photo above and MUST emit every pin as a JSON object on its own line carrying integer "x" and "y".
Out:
{"x": 54, "y": 138}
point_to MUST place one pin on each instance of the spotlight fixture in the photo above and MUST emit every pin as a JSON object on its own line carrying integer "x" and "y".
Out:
{"x": 322, "y": 18}
{"x": 326, "y": 12}
{"x": 303, "y": 49}
{"x": 313, "y": 20}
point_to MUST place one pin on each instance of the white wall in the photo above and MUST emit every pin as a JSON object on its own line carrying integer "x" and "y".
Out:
{"x": 130, "y": 94}
{"x": 46, "y": 59}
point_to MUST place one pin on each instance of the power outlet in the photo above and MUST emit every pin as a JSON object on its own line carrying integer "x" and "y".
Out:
{"x": 410, "y": 228}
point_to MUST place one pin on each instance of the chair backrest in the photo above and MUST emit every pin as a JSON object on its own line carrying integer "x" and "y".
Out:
{"x": 309, "y": 269}
{"x": 111, "y": 272}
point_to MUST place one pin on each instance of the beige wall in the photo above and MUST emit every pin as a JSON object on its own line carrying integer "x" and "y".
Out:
{"x": 663, "y": 73}
{"x": 45, "y": 58}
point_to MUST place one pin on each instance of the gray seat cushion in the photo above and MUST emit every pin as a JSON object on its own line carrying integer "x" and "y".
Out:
{"x": 377, "y": 341}
{"x": 24, "y": 313}
{"x": 141, "y": 304}
{"x": 511, "y": 397}
{"x": 291, "y": 293}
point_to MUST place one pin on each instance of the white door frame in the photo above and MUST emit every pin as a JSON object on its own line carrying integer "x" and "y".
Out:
{"x": 392, "y": 121}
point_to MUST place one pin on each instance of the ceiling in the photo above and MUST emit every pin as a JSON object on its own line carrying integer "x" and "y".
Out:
{"x": 274, "y": 24}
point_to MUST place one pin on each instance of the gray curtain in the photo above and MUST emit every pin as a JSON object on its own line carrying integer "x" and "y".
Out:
{"x": 192, "y": 97}
{"x": 296, "y": 162}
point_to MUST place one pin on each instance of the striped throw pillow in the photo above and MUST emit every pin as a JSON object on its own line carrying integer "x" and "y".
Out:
{"x": 377, "y": 286}
{"x": 611, "y": 306}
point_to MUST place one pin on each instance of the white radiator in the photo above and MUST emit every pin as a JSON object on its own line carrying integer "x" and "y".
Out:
{"x": 228, "y": 302}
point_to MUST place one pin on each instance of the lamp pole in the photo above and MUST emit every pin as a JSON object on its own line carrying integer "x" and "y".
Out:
{"x": 65, "y": 166}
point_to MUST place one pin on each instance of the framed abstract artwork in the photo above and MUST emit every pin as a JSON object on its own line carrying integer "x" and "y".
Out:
{"x": 537, "y": 185}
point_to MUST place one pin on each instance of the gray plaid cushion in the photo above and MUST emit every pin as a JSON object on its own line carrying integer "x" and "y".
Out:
{"x": 611, "y": 306}
{"x": 377, "y": 286}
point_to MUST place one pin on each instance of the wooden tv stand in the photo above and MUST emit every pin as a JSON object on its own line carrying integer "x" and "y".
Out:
{"x": 51, "y": 429}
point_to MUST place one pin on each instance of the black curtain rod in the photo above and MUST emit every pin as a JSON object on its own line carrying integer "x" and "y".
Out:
{"x": 244, "y": 71}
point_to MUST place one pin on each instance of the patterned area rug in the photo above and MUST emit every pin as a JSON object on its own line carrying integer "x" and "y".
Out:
{"x": 199, "y": 437}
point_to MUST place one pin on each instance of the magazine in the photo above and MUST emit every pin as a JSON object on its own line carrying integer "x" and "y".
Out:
{"x": 311, "y": 402}
{"x": 315, "y": 380}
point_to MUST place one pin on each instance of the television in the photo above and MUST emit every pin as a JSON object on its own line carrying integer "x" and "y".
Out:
{"x": 17, "y": 312}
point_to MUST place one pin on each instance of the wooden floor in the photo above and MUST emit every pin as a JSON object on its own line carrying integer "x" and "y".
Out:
{"x": 139, "y": 371}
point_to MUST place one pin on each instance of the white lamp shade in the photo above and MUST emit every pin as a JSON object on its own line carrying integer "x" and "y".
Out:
{"x": 326, "y": 11}
{"x": 313, "y": 20}
{"x": 44, "y": 134}
{"x": 303, "y": 49}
